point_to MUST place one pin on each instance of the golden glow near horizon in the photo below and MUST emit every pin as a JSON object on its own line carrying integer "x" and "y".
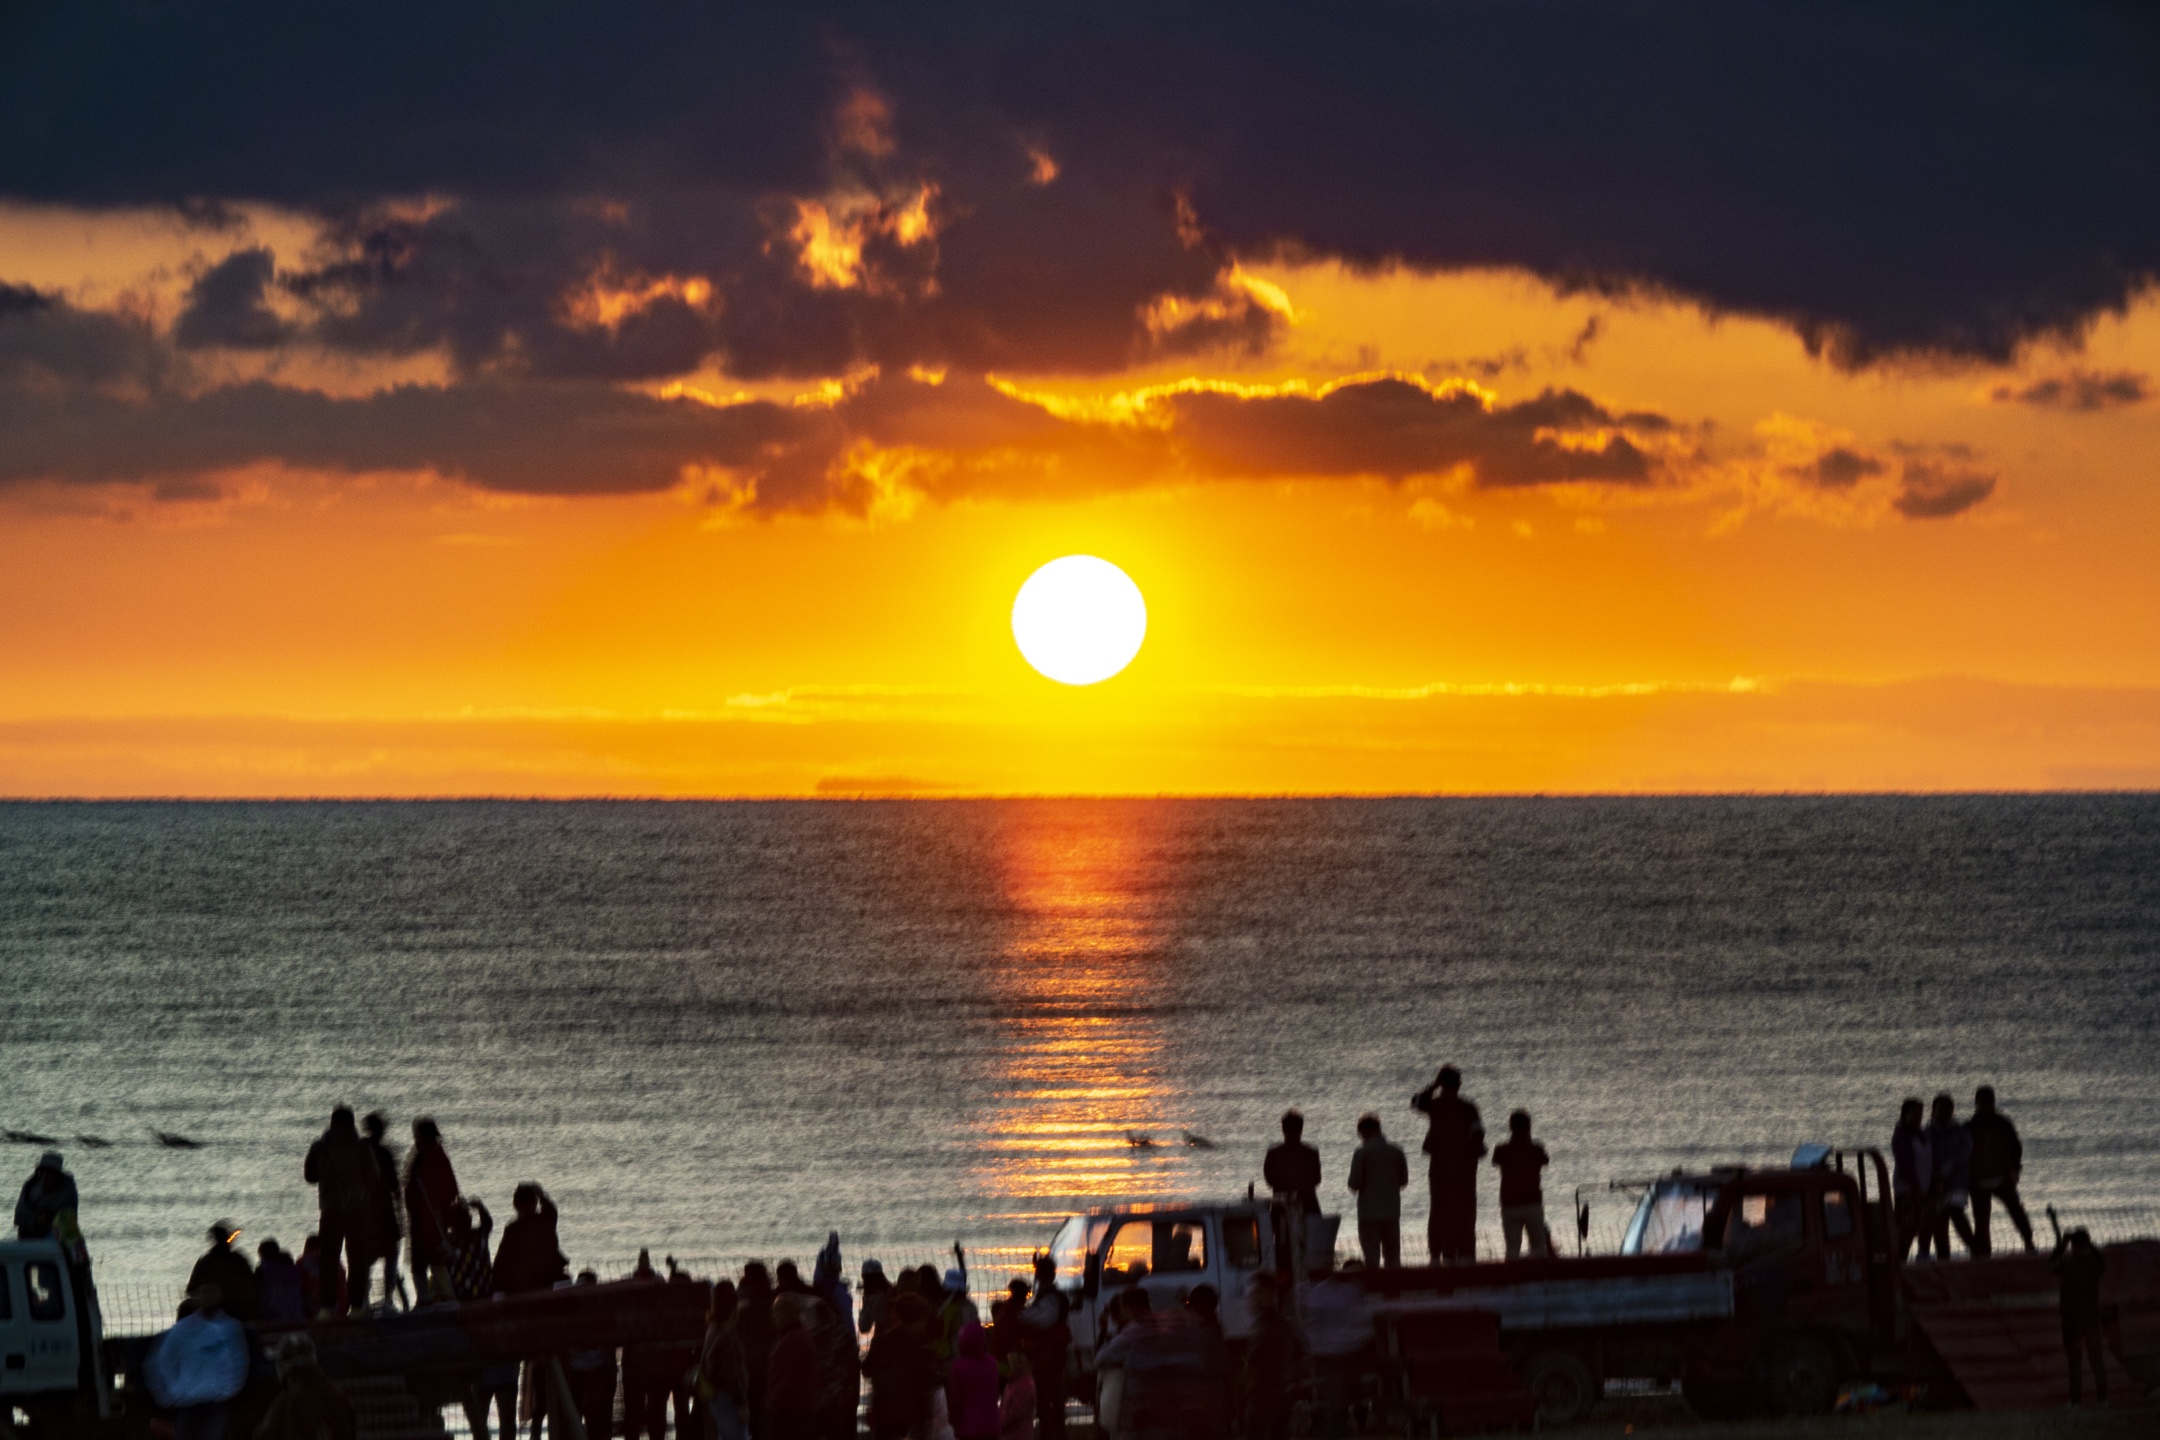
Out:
{"x": 1737, "y": 625}
{"x": 1079, "y": 620}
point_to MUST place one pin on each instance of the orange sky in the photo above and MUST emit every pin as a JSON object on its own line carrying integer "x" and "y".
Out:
{"x": 1730, "y": 626}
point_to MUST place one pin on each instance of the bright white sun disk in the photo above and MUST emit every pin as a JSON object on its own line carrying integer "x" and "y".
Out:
{"x": 1079, "y": 620}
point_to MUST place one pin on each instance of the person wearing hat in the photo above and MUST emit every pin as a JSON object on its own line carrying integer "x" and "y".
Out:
{"x": 308, "y": 1406}
{"x": 228, "y": 1269}
{"x": 877, "y": 1293}
{"x": 955, "y": 1313}
{"x": 47, "y": 1196}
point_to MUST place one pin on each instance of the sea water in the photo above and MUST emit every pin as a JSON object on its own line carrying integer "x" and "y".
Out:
{"x": 721, "y": 1030}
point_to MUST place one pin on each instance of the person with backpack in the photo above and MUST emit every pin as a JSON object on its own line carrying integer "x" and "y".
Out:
{"x": 469, "y": 1271}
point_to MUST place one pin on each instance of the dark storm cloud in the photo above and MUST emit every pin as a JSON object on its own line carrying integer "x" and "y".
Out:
{"x": 1034, "y": 279}
{"x": 1842, "y": 468}
{"x": 1938, "y": 489}
{"x": 1395, "y": 429}
{"x": 50, "y": 347}
{"x": 1884, "y": 178}
{"x": 533, "y": 438}
{"x": 20, "y": 300}
{"x": 228, "y": 306}
{"x": 2081, "y": 390}
{"x": 89, "y": 398}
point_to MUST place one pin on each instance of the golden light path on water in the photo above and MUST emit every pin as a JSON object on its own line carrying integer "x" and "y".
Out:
{"x": 1085, "y": 1065}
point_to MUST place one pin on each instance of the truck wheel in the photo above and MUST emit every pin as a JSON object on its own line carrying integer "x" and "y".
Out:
{"x": 1800, "y": 1376}
{"x": 1565, "y": 1387}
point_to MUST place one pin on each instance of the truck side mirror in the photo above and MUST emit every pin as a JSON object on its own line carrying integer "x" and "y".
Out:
{"x": 1091, "y": 1277}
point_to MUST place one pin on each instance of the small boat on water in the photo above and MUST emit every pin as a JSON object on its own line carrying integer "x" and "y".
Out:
{"x": 1138, "y": 1141}
{"x": 1198, "y": 1142}
{"x": 27, "y": 1137}
{"x": 93, "y": 1142}
{"x": 176, "y": 1142}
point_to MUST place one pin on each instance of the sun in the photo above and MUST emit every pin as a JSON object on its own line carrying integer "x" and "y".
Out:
{"x": 1079, "y": 620}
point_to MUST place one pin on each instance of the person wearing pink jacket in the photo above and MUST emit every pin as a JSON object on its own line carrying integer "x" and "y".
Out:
{"x": 1016, "y": 1412}
{"x": 971, "y": 1387}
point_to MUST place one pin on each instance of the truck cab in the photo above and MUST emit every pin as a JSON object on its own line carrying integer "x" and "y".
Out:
{"x": 44, "y": 1325}
{"x": 1814, "y": 1272}
{"x": 1166, "y": 1250}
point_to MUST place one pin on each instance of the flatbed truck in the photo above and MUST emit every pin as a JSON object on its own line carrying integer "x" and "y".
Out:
{"x": 1754, "y": 1289}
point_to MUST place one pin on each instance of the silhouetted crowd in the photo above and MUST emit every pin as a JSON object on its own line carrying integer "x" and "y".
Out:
{"x": 785, "y": 1358}
{"x": 1941, "y": 1165}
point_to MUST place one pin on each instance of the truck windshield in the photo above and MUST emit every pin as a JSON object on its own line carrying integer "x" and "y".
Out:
{"x": 1069, "y": 1250}
{"x": 1075, "y": 1239}
{"x": 1669, "y": 1219}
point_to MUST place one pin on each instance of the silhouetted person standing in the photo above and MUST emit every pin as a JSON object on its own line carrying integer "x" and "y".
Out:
{"x": 1379, "y": 1174}
{"x": 344, "y": 1176}
{"x": 723, "y": 1383}
{"x": 1997, "y": 1158}
{"x": 1046, "y": 1334}
{"x": 1454, "y": 1143}
{"x": 2080, "y": 1264}
{"x": 47, "y": 1203}
{"x": 791, "y": 1375}
{"x": 1912, "y": 1178}
{"x": 383, "y": 1227}
{"x": 431, "y": 1191}
{"x": 1952, "y": 1147}
{"x": 1522, "y": 1191}
{"x": 1292, "y": 1170}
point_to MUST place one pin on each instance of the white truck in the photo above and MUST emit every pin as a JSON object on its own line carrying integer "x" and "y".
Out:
{"x": 1169, "y": 1251}
{"x": 44, "y": 1326}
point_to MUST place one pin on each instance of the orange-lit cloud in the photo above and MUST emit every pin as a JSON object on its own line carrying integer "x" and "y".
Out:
{"x": 694, "y": 440}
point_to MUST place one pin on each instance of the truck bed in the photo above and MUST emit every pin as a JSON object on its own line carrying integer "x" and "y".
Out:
{"x": 1592, "y": 1292}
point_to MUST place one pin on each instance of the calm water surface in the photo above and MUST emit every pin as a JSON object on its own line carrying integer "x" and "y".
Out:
{"x": 719, "y": 1029}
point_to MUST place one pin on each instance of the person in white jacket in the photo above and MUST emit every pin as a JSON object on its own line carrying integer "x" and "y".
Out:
{"x": 197, "y": 1367}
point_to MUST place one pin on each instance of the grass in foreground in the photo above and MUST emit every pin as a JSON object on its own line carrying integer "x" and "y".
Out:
{"x": 1650, "y": 1414}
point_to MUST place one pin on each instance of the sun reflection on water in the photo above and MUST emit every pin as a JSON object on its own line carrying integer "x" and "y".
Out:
{"x": 1082, "y": 1074}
